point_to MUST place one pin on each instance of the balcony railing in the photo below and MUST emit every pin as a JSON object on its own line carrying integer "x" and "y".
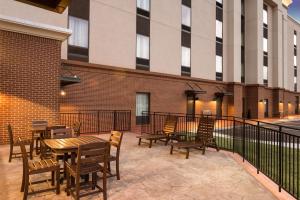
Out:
{"x": 98, "y": 121}
{"x": 273, "y": 149}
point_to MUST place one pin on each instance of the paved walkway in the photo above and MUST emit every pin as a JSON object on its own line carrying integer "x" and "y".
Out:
{"x": 150, "y": 174}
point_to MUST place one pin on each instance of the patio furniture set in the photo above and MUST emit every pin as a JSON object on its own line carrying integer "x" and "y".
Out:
{"x": 202, "y": 139}
{"x": 67, "y": 156}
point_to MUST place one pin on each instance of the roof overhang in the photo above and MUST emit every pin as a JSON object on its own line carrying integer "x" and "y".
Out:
{"x": 287, "y": 3}
{"x": 18, "y": 25}
{"x": 222, "y": 94}
{"x": 194, "y": 92}
{"x": 69, "y": 80}
{"x": 58, "y": 6}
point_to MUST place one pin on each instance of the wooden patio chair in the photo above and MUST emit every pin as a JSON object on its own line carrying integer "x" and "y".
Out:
{"x": 38, "y": 128}
{"x": 13, "y": 143}
{"x": 76, "y": 128}
{"x": 38, "y": 167}
{"x": 115, "y": 141}
{"x": 164, "y": 135}
{"x": 203, "y": 138}
{"x": 89, "y": 157}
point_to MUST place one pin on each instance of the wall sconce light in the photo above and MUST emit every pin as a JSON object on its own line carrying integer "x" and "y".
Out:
{"x": 62, "y": 93}
{"x": 261, "y": 101}
{"x": 280, "y": 101}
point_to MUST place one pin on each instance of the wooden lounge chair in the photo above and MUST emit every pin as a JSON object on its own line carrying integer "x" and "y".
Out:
{"x": 89, "y": 157}
{"x": 14, "y": 143}
{"x": 203, "y": 138}
{"x": 38, "y": 167}
{"x": 164, "y": 135}
{"x": 115, "y": 141}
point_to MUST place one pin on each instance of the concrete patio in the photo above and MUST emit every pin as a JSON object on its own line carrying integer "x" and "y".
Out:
{"x": 155, "y": 174}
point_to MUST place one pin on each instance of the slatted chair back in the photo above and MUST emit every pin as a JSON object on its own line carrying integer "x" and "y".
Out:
{"x": 24, "y": 156}
{"x": 90, "y": 155}
{"x": 205, "y": 129}
{"x": 40, "y": 124}
{"x": 115, "y": 140}
{"x": 61, "y": 133}
{"x": 170, "y": 125}
{"x": 76, "y": 128}
{"x": 47, "y": 134}
{"x": 10, "y": 134}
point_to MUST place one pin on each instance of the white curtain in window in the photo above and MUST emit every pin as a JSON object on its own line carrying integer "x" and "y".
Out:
{"x": 265, "y": 16}
{"x": 265, "y": 45}
{"x": 219, "y": 64}
{"x": 265, "y": 73}
{"x": 80, "y": 32}
{"x": 220, "y": 1}
{"x": 143, "y": 4}
{"x": 186, "y": 15}
{"x": 185, "y": 57}
{"x": 295, "y": 39}
{"x": 142, "y": 104}
{"x": 142, "y": 46}
{"x": 295, "y": 79}
{"x": 295, "y": 60}
{"x": 219, "y": 29}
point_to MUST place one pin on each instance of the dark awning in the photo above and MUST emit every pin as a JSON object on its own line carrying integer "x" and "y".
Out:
{"x": 194, "y": 92}
{"x": 222, "y": 94}
{"x": 53, "y": 5}
{"x": 68, "y": 80}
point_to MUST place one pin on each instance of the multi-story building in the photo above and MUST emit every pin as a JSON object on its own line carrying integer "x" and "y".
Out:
{"x": 188, "y": 56}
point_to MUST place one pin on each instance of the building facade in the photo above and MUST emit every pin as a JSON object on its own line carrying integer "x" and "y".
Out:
{"x": 186, "y": 56}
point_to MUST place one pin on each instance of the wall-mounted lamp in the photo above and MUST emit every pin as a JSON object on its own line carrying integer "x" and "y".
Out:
{"x": 261, "y": 101}
{"x": 280, "y": 101}
{"x": 62, "y": 93}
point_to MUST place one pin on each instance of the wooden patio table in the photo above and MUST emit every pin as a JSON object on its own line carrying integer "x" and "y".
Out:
{"x": 70, "y": 145}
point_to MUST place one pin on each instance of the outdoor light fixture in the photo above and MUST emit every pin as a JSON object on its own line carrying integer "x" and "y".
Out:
{"x": 62, "y": 93}
{"x": 261, "y": 101}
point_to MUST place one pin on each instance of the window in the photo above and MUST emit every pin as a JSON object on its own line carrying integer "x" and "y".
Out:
{"x": 265, "y": 44}
{"x": 220, "y": 1}
{"x": 219, "y": 64}
{"x": 265, "y": 73}
{"x": 295, "y": 79}
{"x": 265, "y": 16}
{"x": 80, "y": 32}
{"x": 219, "y": 29}
{"x": 186, "y": 16}
{"x": 142, "y": 108}
{"x": 185, "y": 57}
{"x": 295, "y": 40}
{"x": 295, "y": 60}
{"x": 143, "y": 4}
{"x": 142, "y": 46}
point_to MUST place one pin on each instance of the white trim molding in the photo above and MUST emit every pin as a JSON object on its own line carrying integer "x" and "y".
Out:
{"x": 32, "y": 28}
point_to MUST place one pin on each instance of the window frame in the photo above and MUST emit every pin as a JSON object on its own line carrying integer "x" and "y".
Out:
{"x": 142, "y": 119}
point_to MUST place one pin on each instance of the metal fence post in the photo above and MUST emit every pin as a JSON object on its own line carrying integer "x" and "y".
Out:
{"x": 233, "y": 135}
{"x": 115, "y": 121}
{"x": 243, "y": 139}
{"x": 280, "y": 158}
{"x": 258, "y": 148}
{"x": 154, "y": 125}
{"x": 98, "y": 121}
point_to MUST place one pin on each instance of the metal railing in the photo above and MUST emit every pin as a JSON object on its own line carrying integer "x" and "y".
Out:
{"x": 98, "y": 121}
{"x": 273, "y": 149}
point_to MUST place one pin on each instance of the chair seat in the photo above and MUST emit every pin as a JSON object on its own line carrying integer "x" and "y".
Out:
{"x": 25, "y": 141}
{"x": 188, "y": 144}
{"x": 43, "y": 166}
{"x": 153, "y": 136}
{"x": 86, "y": 169}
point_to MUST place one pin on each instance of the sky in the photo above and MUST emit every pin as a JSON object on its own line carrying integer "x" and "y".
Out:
{"x": 294, "y": 10}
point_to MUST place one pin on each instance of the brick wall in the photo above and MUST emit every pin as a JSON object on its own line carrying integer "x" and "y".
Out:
{"x": 105, "y": 87}
{"x": 29, "y": 82}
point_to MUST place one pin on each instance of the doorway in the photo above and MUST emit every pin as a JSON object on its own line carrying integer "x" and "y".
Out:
{"x": 297, "y": 106}
{"x": 266, "y": 108}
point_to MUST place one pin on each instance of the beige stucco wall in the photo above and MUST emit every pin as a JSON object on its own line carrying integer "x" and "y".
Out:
{"x": 113, "y": 33}
{"x": 36, "y": 15}
{"x": 203, "y": 39}
{"x": 292, "y": 26}
{"x": 165, "y": 36}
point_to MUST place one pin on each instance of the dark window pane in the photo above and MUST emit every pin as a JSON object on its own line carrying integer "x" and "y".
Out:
{"x": 187, "y": 3}
{"x": 265, "y": 33}
{"x": 142, "y": 12}
{"x": 219, "y": 49}
{"x": 78, "y": 53}
{"x": 219, "y": 76}
{"x": 185, "y": 39}
{"x": 219, "y": 14}
{"x": 143, "y": 26}
{"x": 265, "y": 60}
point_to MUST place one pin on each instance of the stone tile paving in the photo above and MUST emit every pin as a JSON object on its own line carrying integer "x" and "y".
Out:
{"x": 150, "y": 174}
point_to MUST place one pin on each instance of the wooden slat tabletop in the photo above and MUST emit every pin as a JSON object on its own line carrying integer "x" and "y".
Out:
{"x": 70, "y": 144}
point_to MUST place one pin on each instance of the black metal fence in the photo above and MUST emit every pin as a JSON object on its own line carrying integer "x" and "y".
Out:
{"x": 273, "y": 149}
{"x": 99, "y": 121}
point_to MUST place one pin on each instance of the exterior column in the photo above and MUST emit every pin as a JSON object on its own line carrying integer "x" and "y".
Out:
{"x": 233, "y": 44}
{"x": 254, "y": 42}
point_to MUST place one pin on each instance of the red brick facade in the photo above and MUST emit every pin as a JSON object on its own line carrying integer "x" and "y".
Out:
{"x": 104, "y": 87}
{"x": 29, "y": 82}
